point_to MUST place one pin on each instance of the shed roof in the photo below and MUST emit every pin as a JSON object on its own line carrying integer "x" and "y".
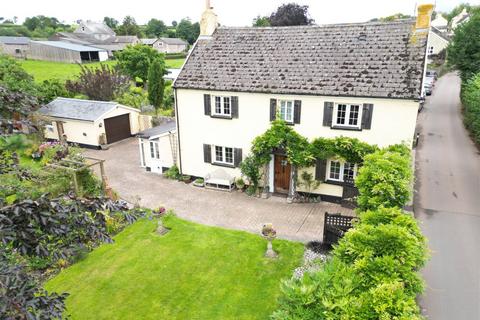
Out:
{"x": 177, "y": 41}
{"x": 14, "y": 40}
{"x": 375, "y": 59}
{"x": 125, "y": 39}
{"x": 158, "y": 130}
{"x": 68, "y": 46}
{"x": 149, "y": 41}
{"x": 78, "y": 109}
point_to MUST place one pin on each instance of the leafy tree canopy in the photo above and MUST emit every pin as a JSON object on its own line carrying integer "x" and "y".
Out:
{"x": 291, "y": 14}
{"x": 260, "y": 21}
{"x": 155, "y": 28}
{"x": 136, "y": 60}
{"x": 188, "y": 31}
{"x": 128, "y": 27}
{"x": 111, "y": 22}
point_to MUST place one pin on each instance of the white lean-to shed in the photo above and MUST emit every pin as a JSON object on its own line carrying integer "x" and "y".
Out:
{"x": 158, "y": 147}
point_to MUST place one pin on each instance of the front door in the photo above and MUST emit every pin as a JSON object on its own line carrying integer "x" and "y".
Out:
{"x": 282, "y": 174}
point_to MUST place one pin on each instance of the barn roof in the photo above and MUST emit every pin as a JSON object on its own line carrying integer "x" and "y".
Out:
{"x": 14, "y": 40}
{"x": 68, "y": 46}
{"x": 375, "y": 59}
{"x": 77, "y": 109}
{"x": 174, "y": 41}
{"x": 149, "y": 41}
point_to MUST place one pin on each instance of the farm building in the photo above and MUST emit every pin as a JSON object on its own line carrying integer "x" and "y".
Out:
{"x": 17, "y": 47}
{"x": 158, "y": 147}
{"x": 167, "y": 45}
{"x": 65, "y": 52}
{"x": 89, "y": 123}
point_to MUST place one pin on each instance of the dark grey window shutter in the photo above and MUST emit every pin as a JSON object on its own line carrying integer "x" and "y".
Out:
{"x": 367, "y": 115}
{"x": 320, "y": 169}
{"x": 238, "y": 157}
{"x": 273, "y": 109}
{"x": 207, "y": 153}
{"x": 297, "y": 111}
{"x": 207, "y": 105}
{"x": 327, "y": 114}
{"x": 234, "y": 107}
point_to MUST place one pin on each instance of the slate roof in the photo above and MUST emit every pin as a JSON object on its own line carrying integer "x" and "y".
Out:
{"x": 68, "y": 46}
{"x": 375, "y": 59}
{"x": 158, "y": 130}
{"x": 94, "y": 27}
{"x": 14, "y": 40}
{"x": 174, "y": 41}
{"x": 77, "y": 109}
{"x": 125, "y": 39}
{"x": 150, "y": 41}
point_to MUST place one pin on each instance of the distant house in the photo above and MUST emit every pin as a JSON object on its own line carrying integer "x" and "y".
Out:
{"x": 437, "y": 41}
{"x": 158, "y": 147}
{"x": 440, "y": 23}
{"x": 462, "y": 17}
{"x": 89, "y": 123}
{"x": 61, "y": 51}
{"x": 170, "y": 45}
{"x": 96, "y": 34}
{"x": 17, "y": 47}
{"x": 149, "y": 41}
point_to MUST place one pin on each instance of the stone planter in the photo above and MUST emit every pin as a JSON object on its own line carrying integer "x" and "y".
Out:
{"x": 198, "y": 184}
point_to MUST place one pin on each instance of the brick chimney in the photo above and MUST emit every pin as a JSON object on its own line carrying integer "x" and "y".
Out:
{"x": 209, "y": 21}
{"x": 424, "y": 15}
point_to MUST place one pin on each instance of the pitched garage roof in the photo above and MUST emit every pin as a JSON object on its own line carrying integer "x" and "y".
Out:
{"x": 375, "y": 59}
{"x": 78, "y": 109}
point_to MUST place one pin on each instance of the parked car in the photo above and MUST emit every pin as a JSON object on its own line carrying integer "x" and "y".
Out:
{"x": 428, "y": 89}
{"x": 432, "y": 74}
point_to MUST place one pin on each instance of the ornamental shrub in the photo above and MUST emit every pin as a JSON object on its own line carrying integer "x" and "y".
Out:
{"x": 385, "y": 179}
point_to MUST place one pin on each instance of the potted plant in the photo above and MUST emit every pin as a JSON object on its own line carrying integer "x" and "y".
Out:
{"x": 186, "y": 178}
{"x": 240, "y": 184}
{"x": 269, "y": 233}
{"x": 199, "y": 182}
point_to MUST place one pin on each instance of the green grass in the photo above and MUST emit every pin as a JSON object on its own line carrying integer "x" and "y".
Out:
{"x": 44, "y": 70}
{"x": 193, "y": 272}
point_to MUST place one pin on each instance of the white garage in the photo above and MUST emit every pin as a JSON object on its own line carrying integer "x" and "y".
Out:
{"x": 89, "y": 123}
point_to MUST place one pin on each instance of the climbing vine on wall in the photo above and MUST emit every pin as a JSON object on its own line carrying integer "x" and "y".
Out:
{"x": 300, "y": 152}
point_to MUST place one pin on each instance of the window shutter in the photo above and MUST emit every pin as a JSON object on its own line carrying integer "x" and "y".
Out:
{"x": 273, "y": 109}
{"x": 367, "y": 115}
{"x": 207, "y": 153}
{"x": 297, "y": 111}
{"x": 327, "y": 114}
{"x": 238, "y": 157}
{"x": 320, "y": 169}
{"x": 207, "y": 105}
{"x": 234, "y": 107}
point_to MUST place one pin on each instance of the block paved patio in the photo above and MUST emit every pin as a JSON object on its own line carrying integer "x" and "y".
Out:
{"x": 234, "y": 210}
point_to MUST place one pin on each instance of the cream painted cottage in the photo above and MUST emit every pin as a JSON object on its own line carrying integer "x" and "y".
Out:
{"x": 358, "y": 80}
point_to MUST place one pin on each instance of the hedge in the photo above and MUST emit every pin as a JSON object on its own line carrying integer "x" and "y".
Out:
{"x": 373, "y": 272}
{"x": 471, "y": 105}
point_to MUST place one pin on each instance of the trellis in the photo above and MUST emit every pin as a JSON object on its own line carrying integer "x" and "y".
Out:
{"x": 76, "y": 166}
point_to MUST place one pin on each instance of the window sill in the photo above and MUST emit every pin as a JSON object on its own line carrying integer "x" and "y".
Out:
{"x": 334, "y": 182}
{"x": 346, "y": 128}
{"x": 218, "y": 116}
{"x": 225, "y": 165}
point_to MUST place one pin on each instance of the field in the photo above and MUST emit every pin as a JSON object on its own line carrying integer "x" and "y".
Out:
{"x": 193, "y": 272}
{"x": 44, "y": 70}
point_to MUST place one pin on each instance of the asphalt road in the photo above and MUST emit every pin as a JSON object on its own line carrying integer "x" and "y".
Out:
{"x": 447, "y": 204}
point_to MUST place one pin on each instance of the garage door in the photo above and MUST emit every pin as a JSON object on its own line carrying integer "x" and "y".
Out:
{"x": 117, "y": 128}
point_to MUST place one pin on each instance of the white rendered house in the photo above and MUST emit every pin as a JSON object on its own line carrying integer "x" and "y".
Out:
{"x": 358, "y": 80}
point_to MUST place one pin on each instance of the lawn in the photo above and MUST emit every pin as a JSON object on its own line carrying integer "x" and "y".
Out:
{"x": 44, "y": 70}
{"x": 193, "y": 272}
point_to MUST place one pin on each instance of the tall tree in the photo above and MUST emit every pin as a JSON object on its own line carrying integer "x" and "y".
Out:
{"x": 111, "y": 22}
{"x": 128, "y": 27}
{"x": 463, "y": 51}
{"x": 136, "y": 60}
{"x": 174, "y": 23}
{"x": 291, "y": 14}
{"x": 188, "y": 31}
{"x": 156, "y": 83}
{"x": 261, "y": 21}
{"x": 155, "y": 28}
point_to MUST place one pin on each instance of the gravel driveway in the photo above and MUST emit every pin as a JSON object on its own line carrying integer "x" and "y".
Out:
{"x": 234, "y": 210}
